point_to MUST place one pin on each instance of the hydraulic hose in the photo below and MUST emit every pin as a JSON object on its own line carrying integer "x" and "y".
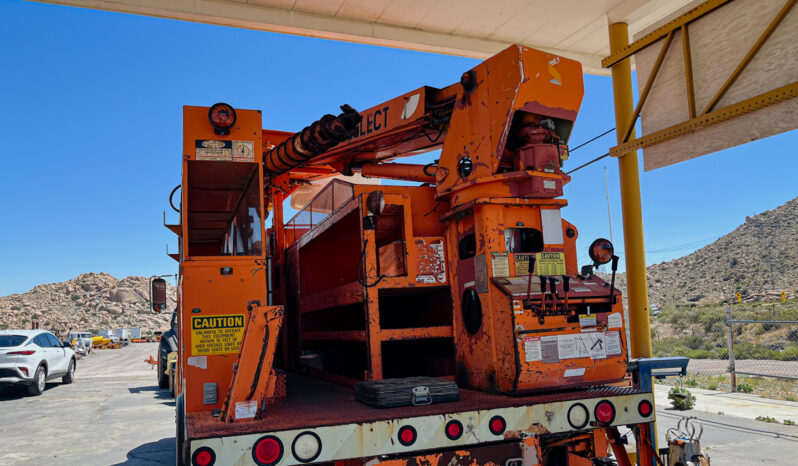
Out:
{"x": 312, "y": 141}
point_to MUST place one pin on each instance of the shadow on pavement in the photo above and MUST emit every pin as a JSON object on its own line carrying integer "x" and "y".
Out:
{"x": 160, "y": 452}
{"x": 15, "y": 392}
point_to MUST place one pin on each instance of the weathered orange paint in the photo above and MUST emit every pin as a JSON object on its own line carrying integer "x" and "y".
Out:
{"x": 342, "y": 280}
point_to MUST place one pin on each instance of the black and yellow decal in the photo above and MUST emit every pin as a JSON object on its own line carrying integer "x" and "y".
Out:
{"x": 219, "y": 334}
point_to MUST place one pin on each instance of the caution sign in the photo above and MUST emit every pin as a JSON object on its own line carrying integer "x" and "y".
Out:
{"x": 546, "y": 263}
{"x": 550, "y": 263}
{"x": 218, "y": 334}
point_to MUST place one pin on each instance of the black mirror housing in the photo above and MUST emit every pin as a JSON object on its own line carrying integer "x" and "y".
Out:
{"x": 158, "y": 294}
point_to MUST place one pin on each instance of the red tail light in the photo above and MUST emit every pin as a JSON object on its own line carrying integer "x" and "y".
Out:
{"x": 645, "y": 408}
{"x": 604, "y": 412}
{"x": 23, "y": 353}
{"x": 497, "y": 425}
{"x": 407, "y": 436}
{"x": 454, "y": 430}
{"x": 267, "y": 450}
{"x": 203, "y": 456}
{"x": 24, "y": 369}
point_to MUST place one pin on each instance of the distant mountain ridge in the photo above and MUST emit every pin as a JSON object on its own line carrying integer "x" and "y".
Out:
{"x": 88, "y": 301}
{"x": 759, "y": 259}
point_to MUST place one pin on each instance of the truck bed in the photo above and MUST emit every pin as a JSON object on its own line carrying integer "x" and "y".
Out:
{"x": 314, "y": 403}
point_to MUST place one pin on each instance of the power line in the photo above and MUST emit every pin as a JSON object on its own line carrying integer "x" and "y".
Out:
{"x": 593, "y": 139}
{"x": 588, "y": 163}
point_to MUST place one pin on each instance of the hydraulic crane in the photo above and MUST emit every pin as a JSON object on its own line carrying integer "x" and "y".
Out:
{"x": 469, "y": 277}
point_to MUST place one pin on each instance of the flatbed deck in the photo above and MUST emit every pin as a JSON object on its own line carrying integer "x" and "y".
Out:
{"x": 314, "y": 403}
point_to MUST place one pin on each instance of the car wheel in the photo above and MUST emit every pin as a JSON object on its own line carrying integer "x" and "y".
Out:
{"x": 39, "y": 381}
{"x": 70, "y": 375}
{"x": 163, "y": 377}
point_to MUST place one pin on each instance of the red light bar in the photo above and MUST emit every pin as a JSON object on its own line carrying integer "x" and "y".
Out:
{"x": 24, "y": 353}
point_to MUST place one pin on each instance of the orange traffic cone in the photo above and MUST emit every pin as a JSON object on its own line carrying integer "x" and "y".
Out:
{"x": 152, "y": 362}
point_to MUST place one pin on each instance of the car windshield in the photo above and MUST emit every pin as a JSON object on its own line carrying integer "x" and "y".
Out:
{"x": 11, "y": 340}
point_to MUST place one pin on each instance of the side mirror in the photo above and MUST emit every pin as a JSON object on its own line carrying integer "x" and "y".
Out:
{"x": 158, "y": 294}
{"x": 66, "y": 344}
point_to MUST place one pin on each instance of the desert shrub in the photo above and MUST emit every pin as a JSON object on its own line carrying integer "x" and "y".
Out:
{"x": 691, "y": 381}
{"x": 744, "y": 387}
{"x": 681, "y": 398}
{"x": 766, "y": 419}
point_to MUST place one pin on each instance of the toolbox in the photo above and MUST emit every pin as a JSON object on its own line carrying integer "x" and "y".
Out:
{"x": 408, "y": 391}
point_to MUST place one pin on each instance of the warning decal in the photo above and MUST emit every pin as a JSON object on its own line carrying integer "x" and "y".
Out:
{"x": 550, "y": 263}
{"x": 218, "y": 334}
{"x": 546, "y": 263}
{"x": 234, "y": 151}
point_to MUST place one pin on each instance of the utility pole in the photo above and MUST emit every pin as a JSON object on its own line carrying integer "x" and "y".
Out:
{"x": 732, "y": 373}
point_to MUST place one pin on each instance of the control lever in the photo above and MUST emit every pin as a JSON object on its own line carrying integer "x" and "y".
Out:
{"x": 530, "y": 270}
{"x": 566, "y": 287}
{"x": 553, "y": 288}
{"x": 542, "y": 299}
{"x": 612, "y": 280}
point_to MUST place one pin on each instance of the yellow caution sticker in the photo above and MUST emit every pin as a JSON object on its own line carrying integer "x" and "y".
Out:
{"x": 550, "y": 263}
{"x": 218, "y": 334}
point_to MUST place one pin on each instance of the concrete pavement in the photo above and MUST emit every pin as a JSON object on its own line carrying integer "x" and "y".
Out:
{"x": 114, "y": 413}
{"x": 740, "y": 405}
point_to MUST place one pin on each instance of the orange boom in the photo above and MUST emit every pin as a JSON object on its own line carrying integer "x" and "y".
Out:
{"x": 468, "y": 279}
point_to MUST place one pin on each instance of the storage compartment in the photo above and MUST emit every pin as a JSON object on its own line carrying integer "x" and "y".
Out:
{"x": 433, "y": 357}
{"x": 409, "y": 307}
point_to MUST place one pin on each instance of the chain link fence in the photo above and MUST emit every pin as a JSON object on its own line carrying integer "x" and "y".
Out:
{"x": 746, "y": 347}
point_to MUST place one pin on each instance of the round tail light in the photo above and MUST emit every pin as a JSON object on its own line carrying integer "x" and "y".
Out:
{"x": 203, "y": 456}
{"x": 645, "y": 408}
{"x": 604, "y": 412}
{"x": 578, "y": 416}
{"x": 454, "y": 430}
{"x": 306, "y": 447}
{"x": 407, "y": 436}
{"x": 497, "y": 425}
{"x": 267, "y": 450}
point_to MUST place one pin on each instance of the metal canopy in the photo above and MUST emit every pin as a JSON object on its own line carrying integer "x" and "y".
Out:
{"x": 575, "y": 29}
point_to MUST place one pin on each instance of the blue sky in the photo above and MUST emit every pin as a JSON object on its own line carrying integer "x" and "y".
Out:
{"x": 91, "y": 137}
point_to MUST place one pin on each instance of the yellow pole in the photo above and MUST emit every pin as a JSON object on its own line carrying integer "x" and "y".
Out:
{"x": 637, "y": 287}
{"x": 634, "y": 248}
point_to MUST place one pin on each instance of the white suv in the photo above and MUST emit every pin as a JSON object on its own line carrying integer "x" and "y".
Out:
{"x": 32, "y": 357}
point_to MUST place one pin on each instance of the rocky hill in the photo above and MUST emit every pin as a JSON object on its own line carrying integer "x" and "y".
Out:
{"x": 90, "y": 301}
{"x": 759, "y": 259}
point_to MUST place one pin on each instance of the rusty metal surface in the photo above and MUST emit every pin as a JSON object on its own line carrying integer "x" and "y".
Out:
{"x": 313, "y": 403}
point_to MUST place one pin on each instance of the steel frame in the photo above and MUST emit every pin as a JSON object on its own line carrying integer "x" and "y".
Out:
{"x": 709, "y": 116}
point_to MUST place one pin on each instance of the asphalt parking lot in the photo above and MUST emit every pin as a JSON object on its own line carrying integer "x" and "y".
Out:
{"x": 114, "y": 413}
